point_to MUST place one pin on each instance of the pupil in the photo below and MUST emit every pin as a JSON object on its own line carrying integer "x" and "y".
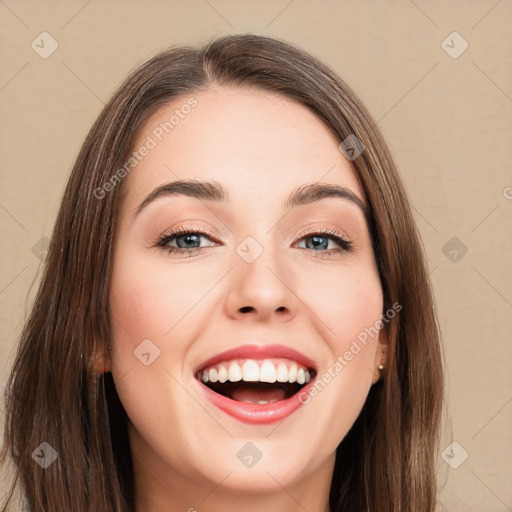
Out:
{"x": 317, "y": 241}
{"x": 190, "y": 239}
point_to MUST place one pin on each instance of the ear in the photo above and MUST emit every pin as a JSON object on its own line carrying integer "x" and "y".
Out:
{"x": 100, "y": 360}
{"x": 381, "y": 354}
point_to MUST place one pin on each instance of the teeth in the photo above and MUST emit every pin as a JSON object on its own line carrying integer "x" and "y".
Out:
{"x": 268, "y": 372}
{"x": 223, "y": 374}
{"x": 234, "y": 372}
{"x": 292, "y": 373}
{"x": 282, "y": 373}
{"x": 250, "y": 370}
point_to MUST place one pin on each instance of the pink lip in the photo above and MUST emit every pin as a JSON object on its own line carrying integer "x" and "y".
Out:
{"x": 258, "y": 352}
{"x": 257, "y": 414}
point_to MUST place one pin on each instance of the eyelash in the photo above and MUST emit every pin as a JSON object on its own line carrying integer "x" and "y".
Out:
{"x": 346, "y": 245}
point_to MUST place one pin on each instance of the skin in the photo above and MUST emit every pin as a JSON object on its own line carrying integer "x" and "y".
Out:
{"x": 259, "y": 146}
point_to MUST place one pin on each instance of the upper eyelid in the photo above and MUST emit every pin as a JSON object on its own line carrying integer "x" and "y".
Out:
{"x": 324, "y": 231}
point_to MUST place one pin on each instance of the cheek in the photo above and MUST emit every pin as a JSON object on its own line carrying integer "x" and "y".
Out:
{"x": 345, "y": 301}
{"x": 342, "y": 303}
{"x": 149, "y": 301}
{"x": 347, "y": 304}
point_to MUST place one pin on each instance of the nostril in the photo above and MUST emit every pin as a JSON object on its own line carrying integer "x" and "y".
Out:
{"x": 246, "y": 309}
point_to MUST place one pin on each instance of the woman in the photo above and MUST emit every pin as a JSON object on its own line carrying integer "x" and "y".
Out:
{"x": 235, "y": 310}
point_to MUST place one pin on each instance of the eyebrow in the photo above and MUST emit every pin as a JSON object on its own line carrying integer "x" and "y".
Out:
{"x": 214, "y": 191}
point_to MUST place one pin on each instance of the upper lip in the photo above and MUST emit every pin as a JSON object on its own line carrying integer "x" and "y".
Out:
{"x": 258, "y": 352}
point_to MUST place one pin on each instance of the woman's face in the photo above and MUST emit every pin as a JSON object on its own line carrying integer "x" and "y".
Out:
{"x": 264, "y": 295}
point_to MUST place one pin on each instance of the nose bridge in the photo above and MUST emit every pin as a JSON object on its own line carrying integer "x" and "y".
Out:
{"x": 261, "y": 283}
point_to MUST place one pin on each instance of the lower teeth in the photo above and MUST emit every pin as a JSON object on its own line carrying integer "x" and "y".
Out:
{"x": 258, "y": 396}
{"x": 259, "y": 402}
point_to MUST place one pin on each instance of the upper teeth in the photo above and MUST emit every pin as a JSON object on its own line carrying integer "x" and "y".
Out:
{"x": 250, "y": 370}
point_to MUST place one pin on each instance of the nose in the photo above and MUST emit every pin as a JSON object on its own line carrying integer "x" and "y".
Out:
{"x": 261, "y": 291}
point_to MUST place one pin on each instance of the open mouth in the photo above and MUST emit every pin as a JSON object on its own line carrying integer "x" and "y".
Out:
{"x": 253, "y": 381}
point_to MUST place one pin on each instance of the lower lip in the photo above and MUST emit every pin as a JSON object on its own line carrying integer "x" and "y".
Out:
{"x": 257, "y": 414}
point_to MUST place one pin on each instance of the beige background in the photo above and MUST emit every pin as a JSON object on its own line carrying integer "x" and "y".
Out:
{"x": 448, "y": 122}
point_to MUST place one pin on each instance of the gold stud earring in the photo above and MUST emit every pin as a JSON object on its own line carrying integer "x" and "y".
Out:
{"x": 380, "y": 366}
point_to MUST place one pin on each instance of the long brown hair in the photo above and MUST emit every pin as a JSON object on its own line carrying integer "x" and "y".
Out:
{"x": 386, "y": 462}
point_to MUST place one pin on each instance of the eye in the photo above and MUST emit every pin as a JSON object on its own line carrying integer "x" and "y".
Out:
{"x": 185, "y": 241}
{"x": 318, "y": 241}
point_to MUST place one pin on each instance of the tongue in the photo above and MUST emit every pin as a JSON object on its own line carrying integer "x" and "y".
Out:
{"x": 258, "y": 396}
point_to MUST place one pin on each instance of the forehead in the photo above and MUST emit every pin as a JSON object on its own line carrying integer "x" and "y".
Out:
{"x": 258, "y": 144}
